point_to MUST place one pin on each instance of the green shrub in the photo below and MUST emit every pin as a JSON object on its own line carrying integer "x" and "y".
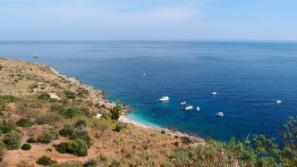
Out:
{"x": 48, "y": 118}
{"x": 186, "y": 140}
{"x": 103, "y": 159}
{"x": 70, "y": 112}
{"x": 12, "y": 140}
{"x": 7, "y": 126}
{"x": 117, "y": 128}
{"x": 44, "y": 96}
{"x": 69, "y": 94}
{"x": 46, "y": 161}
{"x": 57, "y": 108}
{"x": 2, "y": 150}
{"x": 77, "y": 147}
{"x": 114, "y": 163}
{"x": 82, "y": 92}
{"x": 31, "y": 140}
{"x": 115, "y": 112}
{"x": 49, "y": 136}
{"x": 26, "y": 147}
{"x": 7, "y": 99}
{"x": 4, "y": 100}
{"x": 83, "y": 135}
{"x": 90, "y": 163}
{"x": 24, "y": 122}
{"x": 67, "y": 131}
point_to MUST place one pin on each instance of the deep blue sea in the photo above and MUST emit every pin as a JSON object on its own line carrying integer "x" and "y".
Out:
{"x": 248, "y": 76}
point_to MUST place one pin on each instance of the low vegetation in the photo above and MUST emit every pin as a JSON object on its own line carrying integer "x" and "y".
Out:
{"x": 12, "y": 140}
{"x": 45, "y": 161}
{"x": 26, "y": 147}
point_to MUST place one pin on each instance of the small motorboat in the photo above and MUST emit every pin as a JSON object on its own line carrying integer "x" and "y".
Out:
{"x": 278, "y": 101}
{"x": 183, "y": 103}
{"x": 164, "y": 99}
{"x": 220, "y": 114}
{"x": 198, "y": 108}
{"x": 144, "y": 74}
{"x": 189, "y": 107}
{"x": 214, "y": 93}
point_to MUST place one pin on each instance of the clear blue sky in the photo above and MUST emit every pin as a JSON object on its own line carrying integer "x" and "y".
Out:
{"x": 148, "y": 19}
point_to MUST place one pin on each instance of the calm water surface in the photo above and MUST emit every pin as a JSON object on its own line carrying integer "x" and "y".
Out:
{"x": 248, "y": 76}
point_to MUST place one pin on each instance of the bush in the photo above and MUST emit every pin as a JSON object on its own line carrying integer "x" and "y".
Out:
{"x": 115, "y": 112}
{"x": 12, "y": 140}
{"x": 7, "y": 126}
{"x": 31, "y": 140}
{"x": 24, "y": 122}
{"x": 115, "y": 163}
{"x": 117, "y": 128}
{"x": 26, "y": 147}
{"x": 48, "y": 118}
{"x": 46, "y": 161}
{"x": 57, "y": 108}
{"x": 82, "y": 92}
{"x": 90, "y": 163}
{"x": 44, "y": 96}
{"x": 186, "y": 140}
{"x": 83, "y": 135}
{"x": 67, "y": 131}
{"x": 2, "y": 150}
{"x": 70, "y": 112}
{"x": 7, "y": 99}
{"x": 69, "y": 94}
{"x": 49, "y": 136}
{"x": 77, "y": 147}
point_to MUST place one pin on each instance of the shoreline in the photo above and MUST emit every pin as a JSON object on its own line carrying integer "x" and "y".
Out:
{"x": 98, "y": 97}
{"x": 125, "y": 119}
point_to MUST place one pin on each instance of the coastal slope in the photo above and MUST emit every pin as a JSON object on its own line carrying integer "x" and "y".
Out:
{"x": 37, "y": 104}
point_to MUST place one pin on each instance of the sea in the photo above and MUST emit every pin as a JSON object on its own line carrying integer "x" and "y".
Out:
{"x": 249, "y": 77}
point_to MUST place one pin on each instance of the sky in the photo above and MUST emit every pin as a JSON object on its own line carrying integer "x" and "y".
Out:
{"x": 148, "y": 20}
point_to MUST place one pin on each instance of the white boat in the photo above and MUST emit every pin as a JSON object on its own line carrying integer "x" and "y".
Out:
{"x": 214, "y": 93}
{"x": 278, "y": 101}
{"x": 144, "y": 74}
{"x": 197, "y": 108}
{"x": 164, "y": 99}
{"x": 183, "y": 103}
{"x": 220, "y": 114}
{"x": 189, "y": 107}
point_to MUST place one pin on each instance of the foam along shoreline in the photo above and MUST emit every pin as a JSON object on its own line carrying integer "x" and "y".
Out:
{"x": 99, "y": 98}
{"x": 125, "y": 119}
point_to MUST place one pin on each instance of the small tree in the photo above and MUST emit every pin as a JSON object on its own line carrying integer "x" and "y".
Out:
{"x": 115, "y": 112}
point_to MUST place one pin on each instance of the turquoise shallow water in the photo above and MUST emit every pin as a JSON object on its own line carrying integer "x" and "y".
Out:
{"x": 249, "y": 77}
